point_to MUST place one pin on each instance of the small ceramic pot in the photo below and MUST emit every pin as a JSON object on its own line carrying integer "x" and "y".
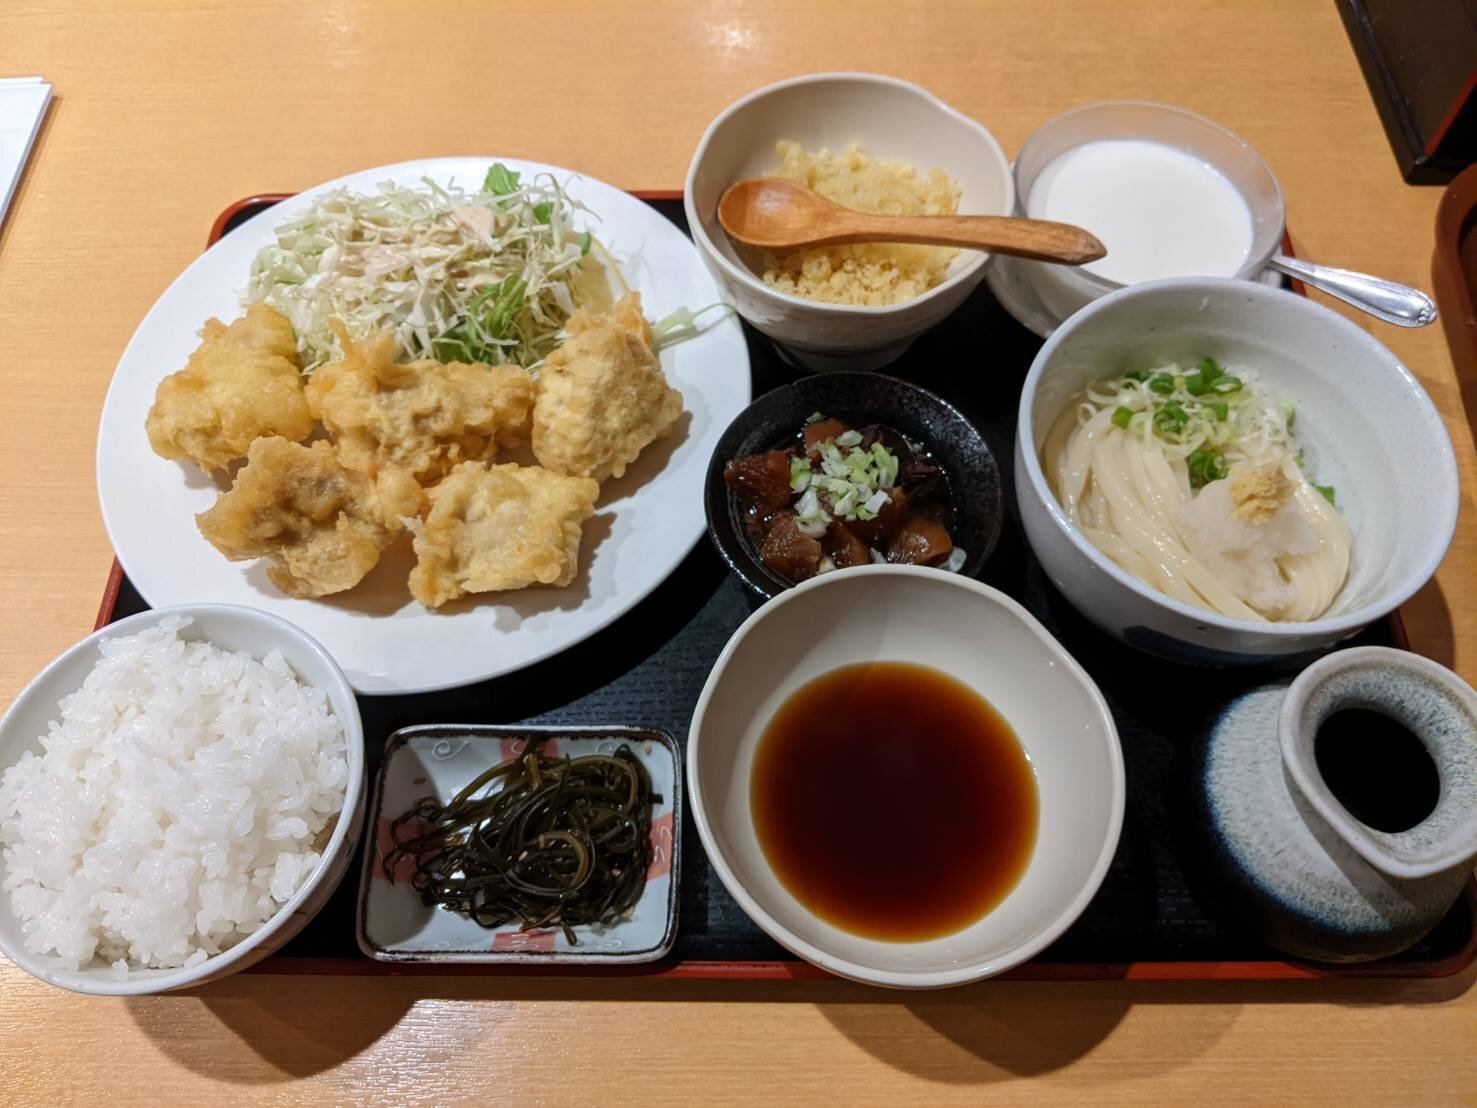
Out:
{"x": 1293, "y": 863}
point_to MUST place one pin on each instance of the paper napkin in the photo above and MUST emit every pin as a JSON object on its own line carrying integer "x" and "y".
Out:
{"x": 23, "y": 102}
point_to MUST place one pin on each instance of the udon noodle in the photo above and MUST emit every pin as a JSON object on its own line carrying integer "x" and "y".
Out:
{"x": 1192, "y": 481}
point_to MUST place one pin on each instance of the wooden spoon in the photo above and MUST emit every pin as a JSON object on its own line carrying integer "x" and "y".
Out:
{"x": 780, "y": 215}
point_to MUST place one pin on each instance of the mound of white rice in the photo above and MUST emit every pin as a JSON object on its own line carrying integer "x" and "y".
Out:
{"x": 182, "y": 799}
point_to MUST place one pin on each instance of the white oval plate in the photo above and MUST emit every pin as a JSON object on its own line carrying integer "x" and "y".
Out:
{"x": 386, "y": 642}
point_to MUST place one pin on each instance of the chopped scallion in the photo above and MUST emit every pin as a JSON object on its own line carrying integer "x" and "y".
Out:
{"x": 1205, "y": 466}
{"x": 1170, "y": 418}
{"x": 1122, "y": 416}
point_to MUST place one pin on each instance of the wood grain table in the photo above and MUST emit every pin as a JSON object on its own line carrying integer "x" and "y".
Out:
{"x": 168, "y": 111}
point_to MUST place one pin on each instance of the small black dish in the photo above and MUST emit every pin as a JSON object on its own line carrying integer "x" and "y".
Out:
{"x": 857, "y": 399}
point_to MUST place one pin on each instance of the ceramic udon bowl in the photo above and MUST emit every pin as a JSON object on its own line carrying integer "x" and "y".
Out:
{"x": 232, "y": 628}
{"x": 1366, "y": 425}
{"x": 984, "y": 639}
{"x": 890, "y": 119}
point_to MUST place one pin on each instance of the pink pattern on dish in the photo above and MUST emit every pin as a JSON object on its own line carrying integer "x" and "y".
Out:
{"x": 404, "y": 868}
{"x": 661, "y": 847}
{"x": 512, "y": 748}
{"x": 541, "y": 942}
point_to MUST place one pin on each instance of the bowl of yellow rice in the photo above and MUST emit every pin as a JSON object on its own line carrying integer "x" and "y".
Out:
{"x": 868, "y": 142}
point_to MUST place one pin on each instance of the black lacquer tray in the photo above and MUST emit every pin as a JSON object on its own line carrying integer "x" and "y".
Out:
{"x": 1150, "y": 919}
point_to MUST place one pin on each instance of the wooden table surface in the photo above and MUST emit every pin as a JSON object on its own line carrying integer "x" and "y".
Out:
{"x": 166, "y": 111}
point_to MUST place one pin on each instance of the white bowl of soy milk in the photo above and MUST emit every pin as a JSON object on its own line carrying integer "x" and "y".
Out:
{"x": 1169, "y": 193}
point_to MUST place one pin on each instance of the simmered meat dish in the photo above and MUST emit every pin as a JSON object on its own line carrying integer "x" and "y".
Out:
{"x": 834, "y": 496}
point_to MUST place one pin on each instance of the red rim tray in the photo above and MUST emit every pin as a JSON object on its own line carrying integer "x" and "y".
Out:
{"x": 780, "y": 970}
{"x": 1454, "y": 280}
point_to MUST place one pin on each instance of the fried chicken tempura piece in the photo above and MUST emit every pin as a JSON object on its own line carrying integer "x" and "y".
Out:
{"x": 627, "y": 314}
{"x": 322, "y": 524}
{"x": 240, "y": 384}
{"x": 499, "y": 527}
{"x": 602, "y": 397}
{"x": 423, "y": 417}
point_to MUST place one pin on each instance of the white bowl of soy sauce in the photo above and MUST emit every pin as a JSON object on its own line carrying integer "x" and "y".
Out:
{"x": 903, "y": 778}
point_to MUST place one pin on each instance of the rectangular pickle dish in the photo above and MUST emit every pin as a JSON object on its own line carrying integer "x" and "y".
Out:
{"x": 395, "y": 925}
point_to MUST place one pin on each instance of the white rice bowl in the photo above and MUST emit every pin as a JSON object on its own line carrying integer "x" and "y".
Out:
{"x": 184, "y": 795}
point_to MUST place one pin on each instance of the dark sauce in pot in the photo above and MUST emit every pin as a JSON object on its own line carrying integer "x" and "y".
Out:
{"x": 1379, "y": 771}
{"x": 893, "y": 801}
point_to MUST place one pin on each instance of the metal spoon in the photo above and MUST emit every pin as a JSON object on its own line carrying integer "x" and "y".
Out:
{"x": 781, "y": 215}
{"x": 1386, "y": 300}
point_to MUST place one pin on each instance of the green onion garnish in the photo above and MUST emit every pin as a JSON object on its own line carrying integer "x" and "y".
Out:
{"x": 1221, "y": 409}
{"x": 1162, "y": 383}
{"x": 1205, "y": 466}
{"x": 1171, "y": 418}
{"x": 1139, "y": 375}
{"x": 584, "y": 243}
{"x": 1122, "y": 416}
{"x": 1327, "y": 491}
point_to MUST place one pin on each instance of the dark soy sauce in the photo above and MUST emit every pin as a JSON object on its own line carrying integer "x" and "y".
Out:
{"x": 1377, "y": 769}
{"x": 893, "y": 801}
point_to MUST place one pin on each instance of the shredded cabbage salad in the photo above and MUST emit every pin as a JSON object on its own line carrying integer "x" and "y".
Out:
{"x": 487, "y": 276}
